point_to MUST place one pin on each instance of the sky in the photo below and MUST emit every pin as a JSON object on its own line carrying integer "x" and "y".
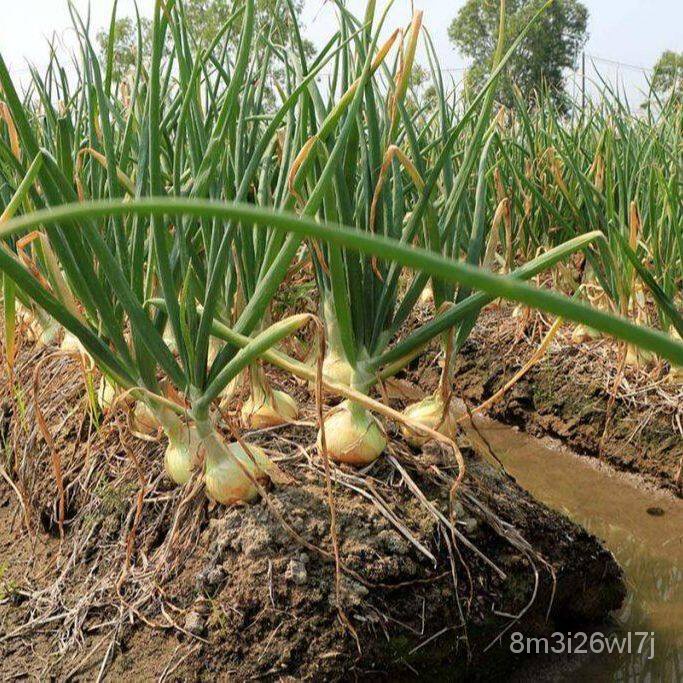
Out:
{"x": 632, "y": 33}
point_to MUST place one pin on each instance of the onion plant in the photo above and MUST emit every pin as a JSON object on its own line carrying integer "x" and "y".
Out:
{"x": 398, "y": 181}
{"x": 196, "y": 127}
{"x": 154, "y": 219}
{"x": 611, "y": 169}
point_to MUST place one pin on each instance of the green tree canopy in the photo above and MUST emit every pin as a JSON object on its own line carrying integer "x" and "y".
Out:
{"x": 205, "y": 17}
{"x": 551, "y": 46}
{"x": 667, "y": 79}
{"x": 126, "y": 42}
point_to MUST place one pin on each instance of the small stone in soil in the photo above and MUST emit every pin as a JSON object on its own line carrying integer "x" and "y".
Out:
{"x": 296, "y": 572}
{"x": 195, "y": 623}
{"x": 655, "y": 511}
{"x": 470, "y": 524}
{"x": 393, "y": 542}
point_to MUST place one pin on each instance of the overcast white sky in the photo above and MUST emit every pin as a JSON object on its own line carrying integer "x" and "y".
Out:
{"x": 633, "y": 32}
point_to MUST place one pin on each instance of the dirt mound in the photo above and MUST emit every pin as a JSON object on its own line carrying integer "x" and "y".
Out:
{"x": 266, "y": 604}
{"x": 150, "y": 581}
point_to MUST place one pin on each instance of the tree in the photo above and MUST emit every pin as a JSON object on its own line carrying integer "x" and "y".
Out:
{"x": 126, "y": 44}
{"x": 551, "y": 46}
{"x": 667, "y": 78}
{"x": 204, "y": 17}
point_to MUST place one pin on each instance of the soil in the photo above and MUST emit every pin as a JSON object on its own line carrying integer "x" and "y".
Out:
{"x": 566, "y": 396}
{"x": 152, "y": 582}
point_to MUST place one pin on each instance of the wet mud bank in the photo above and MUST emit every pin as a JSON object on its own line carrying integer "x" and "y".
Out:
{"x": 566, "y": 395}
{"x": 150, "y": 581}
{"x": 640, "y": 524}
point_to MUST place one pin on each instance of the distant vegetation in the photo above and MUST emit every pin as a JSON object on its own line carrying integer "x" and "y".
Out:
{"x": 552, "y": 45}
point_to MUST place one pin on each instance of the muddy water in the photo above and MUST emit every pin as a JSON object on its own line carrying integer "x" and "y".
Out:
{"x": 644, "y": 530}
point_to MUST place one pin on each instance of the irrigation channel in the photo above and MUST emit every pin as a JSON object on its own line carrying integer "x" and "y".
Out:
{"x": 641, "y": 526}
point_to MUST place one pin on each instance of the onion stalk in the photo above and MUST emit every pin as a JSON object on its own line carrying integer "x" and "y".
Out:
{"x": 335, "y": 366}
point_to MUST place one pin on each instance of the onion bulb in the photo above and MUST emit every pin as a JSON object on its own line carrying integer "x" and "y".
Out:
{"x": 431, "y": 413}
{"x": 353, "y": 435}
{"x": 267, "y": 407}
{"x": 583, "y": 333}
{"x": 638, "y": 358}
{"x": 225, "y": 481}
{"x": 263, "y": 412}
{"x": 181, "y": 454}
{"x": 144, "y": 421}
{"x": 336, "y": 369}
{"x": 183, "y": 443}
{"x": 148, "y": 418}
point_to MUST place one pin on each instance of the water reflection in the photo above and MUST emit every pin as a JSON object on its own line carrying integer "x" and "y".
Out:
{"x": 649, "y": 547}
